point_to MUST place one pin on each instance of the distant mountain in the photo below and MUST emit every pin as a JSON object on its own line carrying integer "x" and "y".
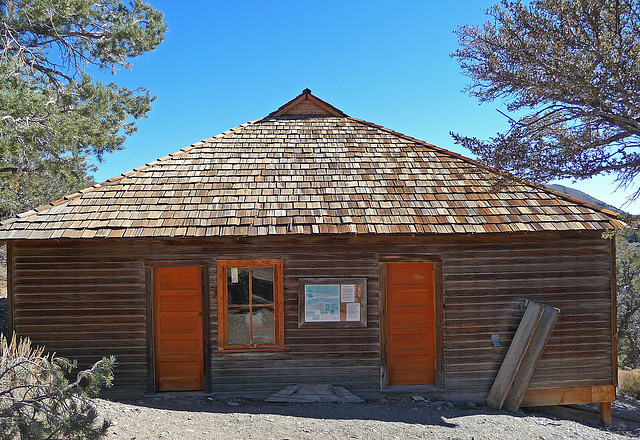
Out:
{"x": 583, "y": 196}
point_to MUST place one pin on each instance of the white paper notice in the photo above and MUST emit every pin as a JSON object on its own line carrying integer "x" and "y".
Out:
{"x": 234, "y": 275}
{"x": 348, "y": 293}
{"x": 353, "y": 312}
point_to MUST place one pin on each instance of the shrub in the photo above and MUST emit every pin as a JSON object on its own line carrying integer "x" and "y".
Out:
{"x": 628, "y": 292}
{"x": 38, "y": 401}
{"x": 629, "y": 383}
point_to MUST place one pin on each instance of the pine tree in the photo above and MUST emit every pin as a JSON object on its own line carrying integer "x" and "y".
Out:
{"x": 54, "y": 116}
{"x": 37, "y": 401}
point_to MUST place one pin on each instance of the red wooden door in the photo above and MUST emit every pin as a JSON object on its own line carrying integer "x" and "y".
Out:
{"x": 178, "y": 328}
{"x": 411, "y": 323}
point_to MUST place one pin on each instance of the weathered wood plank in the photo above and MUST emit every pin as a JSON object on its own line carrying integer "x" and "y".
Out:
{"x": 482, "y": 277}
{"x": 529, "y": 362}
{"x": 606, "y": 416}
{"x": 570, "y": 395}
{"x": 515, "y": 355}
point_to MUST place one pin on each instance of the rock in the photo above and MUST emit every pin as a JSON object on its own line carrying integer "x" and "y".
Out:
{"x": 418, "y": 398}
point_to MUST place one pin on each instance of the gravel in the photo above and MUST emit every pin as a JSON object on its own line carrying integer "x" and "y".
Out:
{"x": 203, "y": 417}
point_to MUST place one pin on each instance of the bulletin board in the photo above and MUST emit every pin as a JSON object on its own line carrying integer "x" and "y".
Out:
{"x": 332, "y": 302}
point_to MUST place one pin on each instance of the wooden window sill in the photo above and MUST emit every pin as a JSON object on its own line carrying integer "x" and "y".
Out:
{"x": 251, "y": 350}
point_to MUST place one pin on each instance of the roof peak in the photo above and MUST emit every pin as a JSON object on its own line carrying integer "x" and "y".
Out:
{"x": 306, "y": 104}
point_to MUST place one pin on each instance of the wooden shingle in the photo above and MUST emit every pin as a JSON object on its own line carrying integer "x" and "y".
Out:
{"x": 307, "y": 168}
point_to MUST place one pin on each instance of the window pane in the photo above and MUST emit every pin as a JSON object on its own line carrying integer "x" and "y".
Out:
{"x": 263, "y": 326}
{"x": 239, "y": 325}
{"x": 262, "y": 279}
{"x": 238, "y": 286}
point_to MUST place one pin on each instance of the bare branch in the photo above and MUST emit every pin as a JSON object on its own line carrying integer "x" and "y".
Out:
{"x": 574, "y": 69}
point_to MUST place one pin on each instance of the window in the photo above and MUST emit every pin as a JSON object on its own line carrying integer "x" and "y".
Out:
{"x": 250, "y": 304}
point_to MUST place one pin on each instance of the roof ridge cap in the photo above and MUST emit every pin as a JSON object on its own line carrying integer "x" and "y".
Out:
{"x": 427, "y": 144}
{"x": 614, "y": 215}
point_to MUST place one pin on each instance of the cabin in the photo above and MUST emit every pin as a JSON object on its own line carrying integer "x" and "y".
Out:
{"x": 313, "y": 247}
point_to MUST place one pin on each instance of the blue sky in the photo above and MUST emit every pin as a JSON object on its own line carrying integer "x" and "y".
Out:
{"x": 226, "y": 63}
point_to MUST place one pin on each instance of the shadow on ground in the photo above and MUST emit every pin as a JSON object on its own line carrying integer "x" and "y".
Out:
{"x": 402, "y": 410}
{"x": 589, "y": 416}
{"x": 423, "y": 413}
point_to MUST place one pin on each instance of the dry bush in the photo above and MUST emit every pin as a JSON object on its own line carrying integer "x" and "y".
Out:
{"x": 629, "y": 383}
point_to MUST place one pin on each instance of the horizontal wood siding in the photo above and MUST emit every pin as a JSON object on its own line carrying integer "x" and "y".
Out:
{"x": 485, "y": 285}
{"x": 86, "y": 298}
{"x": 348, "y": 357}
{"x": 83, "y": 302}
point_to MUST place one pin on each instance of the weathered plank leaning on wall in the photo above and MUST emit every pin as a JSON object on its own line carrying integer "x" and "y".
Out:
{"x": 522, "y": 357}
{"x": 85, "y": 299}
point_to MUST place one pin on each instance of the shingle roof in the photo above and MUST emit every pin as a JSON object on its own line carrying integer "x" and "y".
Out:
{"x": 307, "y": 168}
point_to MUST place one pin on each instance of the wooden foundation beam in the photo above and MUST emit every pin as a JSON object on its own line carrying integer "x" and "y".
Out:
{"x": 603, "y": 395}
{"x": 606, "y": 415}
{"x": 569, "y": 396}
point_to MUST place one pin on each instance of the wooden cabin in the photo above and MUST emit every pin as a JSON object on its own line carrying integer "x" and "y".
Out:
{"x": 313, "y": 247}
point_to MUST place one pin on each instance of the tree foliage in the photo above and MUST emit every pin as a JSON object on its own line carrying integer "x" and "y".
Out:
{"x": 570, "y": 70}
{"x": 628, "y": 291}
{"x": 53, "y": 115}
{"x": 37, "y": 401}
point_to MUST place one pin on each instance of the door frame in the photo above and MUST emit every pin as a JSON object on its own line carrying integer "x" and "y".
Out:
{"x": 439, "y": 312}
{"x": 206, "y": 311}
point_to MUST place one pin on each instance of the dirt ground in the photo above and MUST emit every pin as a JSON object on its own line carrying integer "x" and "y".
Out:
{"x": 203, "y": 417}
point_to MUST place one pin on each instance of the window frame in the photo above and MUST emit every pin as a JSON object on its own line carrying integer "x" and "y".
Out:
{"x": 278, "y": 302}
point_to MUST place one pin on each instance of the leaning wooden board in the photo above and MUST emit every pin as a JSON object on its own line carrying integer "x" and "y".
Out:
{"x": 523, "y": 355}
